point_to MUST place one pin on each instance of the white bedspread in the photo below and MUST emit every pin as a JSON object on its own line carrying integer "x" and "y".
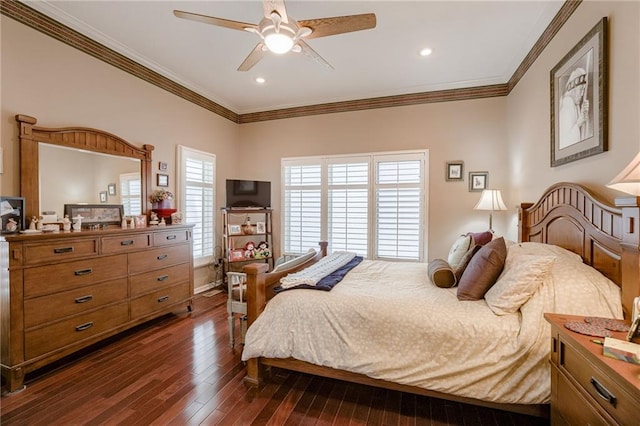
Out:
{"x": 387, "y": 321}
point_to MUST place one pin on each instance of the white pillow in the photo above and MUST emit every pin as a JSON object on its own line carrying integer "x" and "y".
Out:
{"x": 295, "y": 261}
{"x": 542, "y": 250}
{"x": 521, "y": 277}
{"x": 460, "y": 246}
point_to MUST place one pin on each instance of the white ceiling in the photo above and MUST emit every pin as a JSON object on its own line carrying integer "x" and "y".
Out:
{"x": 475, "y": 43}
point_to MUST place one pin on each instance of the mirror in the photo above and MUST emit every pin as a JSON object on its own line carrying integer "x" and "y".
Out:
{"x": 74, "y": 176}
{"x": 43, "y": 186}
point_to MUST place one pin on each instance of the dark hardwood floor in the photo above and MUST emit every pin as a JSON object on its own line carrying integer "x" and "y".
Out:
{"x": 180, "y": 370}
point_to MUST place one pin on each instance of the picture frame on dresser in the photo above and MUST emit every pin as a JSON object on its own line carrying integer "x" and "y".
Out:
{"x": 96, "y": 214}
{"x": 12, "y": 208}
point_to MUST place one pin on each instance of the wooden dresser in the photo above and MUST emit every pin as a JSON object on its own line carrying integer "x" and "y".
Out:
{"x": 587, "y": 387}
{"x": 61, "y": 292}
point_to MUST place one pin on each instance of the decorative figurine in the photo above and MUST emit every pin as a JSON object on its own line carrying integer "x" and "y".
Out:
{"x": 34, "y": 222}
{"x": 123, "y": 225}
{"x": 249, "y": 249}
{"x": 262, "y": 251}
{"x": 66, "y": 223}
{"x": 153, "y": 218}
{"x": 77, "y": 223}
{"x": 162, "y": 222}
{"x": 39, "y": 224}
{"x": 246, "y": 227}
{"x": 12, "y": 225}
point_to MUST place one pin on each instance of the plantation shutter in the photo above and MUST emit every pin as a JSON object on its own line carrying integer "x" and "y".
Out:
{"x": 301, "y": 207}
{"x": 348, "y": 202}
{"x": 198, "y": 195}
{"x": 398, "y": 189}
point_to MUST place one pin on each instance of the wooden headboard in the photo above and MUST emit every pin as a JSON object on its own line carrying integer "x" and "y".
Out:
{"x": 607, "y": 237}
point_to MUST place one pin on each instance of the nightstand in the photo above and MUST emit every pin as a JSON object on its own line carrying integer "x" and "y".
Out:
{"x": 586, "y": 386}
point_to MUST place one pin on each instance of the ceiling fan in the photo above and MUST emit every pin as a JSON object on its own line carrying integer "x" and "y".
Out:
{"x": 279, "y": 33}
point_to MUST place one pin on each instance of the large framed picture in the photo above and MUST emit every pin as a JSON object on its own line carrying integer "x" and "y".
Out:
{"x": 579, "y": 99}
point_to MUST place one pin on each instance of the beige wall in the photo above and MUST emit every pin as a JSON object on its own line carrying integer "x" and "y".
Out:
{"x": 472, "y": 131}
{"x": 508, "y": 137}
{"x": 528, "y": 123}
{"x": 62, "y": 86}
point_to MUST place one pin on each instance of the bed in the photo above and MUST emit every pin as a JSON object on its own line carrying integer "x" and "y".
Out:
{"x": 471, "y": 355}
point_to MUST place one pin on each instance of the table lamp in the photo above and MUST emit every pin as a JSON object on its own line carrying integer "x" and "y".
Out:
{"x": 628, "y": 180}
{"x": 491, "y": 200}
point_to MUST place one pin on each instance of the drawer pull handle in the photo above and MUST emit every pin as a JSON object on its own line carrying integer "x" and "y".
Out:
{"x": 163, "y": 299}
{"x": 171, "y": 237}
{"x": 603, "y": 392}
{"x": 84, "y": 326}
{"x": 84, "y": 299}
{"x": 126, "y": 243}
{"x": 83, "y": 272}
{"x": 163, "y": 277}
{"x": 163, "y": 256}
{"x": 63, "y": 250}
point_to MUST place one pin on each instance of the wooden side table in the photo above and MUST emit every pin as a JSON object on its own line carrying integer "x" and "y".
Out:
{"x": 586, "y": 386}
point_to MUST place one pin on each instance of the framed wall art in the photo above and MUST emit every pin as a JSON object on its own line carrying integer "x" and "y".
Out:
{"x": 111, "y": 188}
{"x": 162, "y": 180}
{"x": 478, "y": 181}
{"x": 579, "y": 99}
{"x": 454, "y": 171}
{"x": 103, "y": 196}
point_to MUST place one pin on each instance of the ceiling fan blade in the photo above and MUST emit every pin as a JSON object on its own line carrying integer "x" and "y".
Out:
{"x": 269, "y": 6}
{"x": 256, "y": 54}
{"x": 323, "y": 27}
{"x": 309, "y": 52}
{"x": 234, "y": 25}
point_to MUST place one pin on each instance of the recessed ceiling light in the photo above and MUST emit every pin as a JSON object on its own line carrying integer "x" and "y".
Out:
{"x": 260, "y": 80}
{"x": 426, "y": 52}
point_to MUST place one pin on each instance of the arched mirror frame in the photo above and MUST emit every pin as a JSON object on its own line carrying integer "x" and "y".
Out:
{"x": 72, "y": 137}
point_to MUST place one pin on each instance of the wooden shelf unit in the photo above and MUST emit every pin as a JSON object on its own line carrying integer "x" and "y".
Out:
{"x": 234, "y": 244}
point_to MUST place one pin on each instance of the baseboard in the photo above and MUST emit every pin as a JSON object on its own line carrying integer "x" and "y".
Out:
{"x": 208, "y": 286}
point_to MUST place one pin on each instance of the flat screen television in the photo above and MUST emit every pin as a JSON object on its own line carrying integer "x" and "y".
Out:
{"x": 248, "y": 193}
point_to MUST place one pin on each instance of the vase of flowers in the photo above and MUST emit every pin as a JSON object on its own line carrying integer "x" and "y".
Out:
{"x": 161, "y": 199}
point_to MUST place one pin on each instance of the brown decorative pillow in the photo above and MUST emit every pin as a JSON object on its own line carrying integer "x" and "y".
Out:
{"x": 483, "y": 270}
{"x": 441, "y": 274}
{"x": 481, "y": 238}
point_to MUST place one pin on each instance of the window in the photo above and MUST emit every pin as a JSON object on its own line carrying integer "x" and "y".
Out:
{"x": 196, "y": 177}
{"x": 372, "y": 204}
{"x": 131, "y": 193}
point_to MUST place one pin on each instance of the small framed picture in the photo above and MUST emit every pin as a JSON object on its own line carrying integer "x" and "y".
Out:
{"x": 111, "y": 188}
{"x": 162, "y": 166}
{"x": 235, "y": 230}
{"x": 478, "y": 181}
{"x": 162, "y": 180}
{"x": 455, "y": 171}
{"x": 261, "y": 228}
{"x": 140, "y": 221}
{"x": 236, "y": 255}
{"x": 103, "y": 196}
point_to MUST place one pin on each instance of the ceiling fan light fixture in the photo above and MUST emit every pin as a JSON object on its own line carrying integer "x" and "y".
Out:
{"x": 278, "y": 42}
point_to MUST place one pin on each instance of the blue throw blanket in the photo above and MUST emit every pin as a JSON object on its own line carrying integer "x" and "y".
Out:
{"x": 328, "y": 282}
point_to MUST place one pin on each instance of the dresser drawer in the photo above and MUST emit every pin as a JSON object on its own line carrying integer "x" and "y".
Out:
{"x": 43, "y": 309}
{"x": 39, "y": 341}
{"x": 125, "y": 243}
{"x": 571, "y": 408}
{"x": 59, "y": 250}
{"x": 158, "y": 300}
{"x": 176, "y": 236}
{"x": 150, "y": 260}
{"x": 155, "y": 280}
{"x": 605, "y": 391}
{"x": 50, "y": 279}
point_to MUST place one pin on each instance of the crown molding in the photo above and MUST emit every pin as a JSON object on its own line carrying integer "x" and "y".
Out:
{"x": 40, "y": 22}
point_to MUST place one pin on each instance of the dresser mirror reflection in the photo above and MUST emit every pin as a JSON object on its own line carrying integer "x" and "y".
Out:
{"x": 77, "y": 165}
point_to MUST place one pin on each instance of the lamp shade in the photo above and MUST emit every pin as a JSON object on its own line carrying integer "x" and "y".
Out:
{"x": 491, "y": 199}
{"x": 628, "y": 180}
